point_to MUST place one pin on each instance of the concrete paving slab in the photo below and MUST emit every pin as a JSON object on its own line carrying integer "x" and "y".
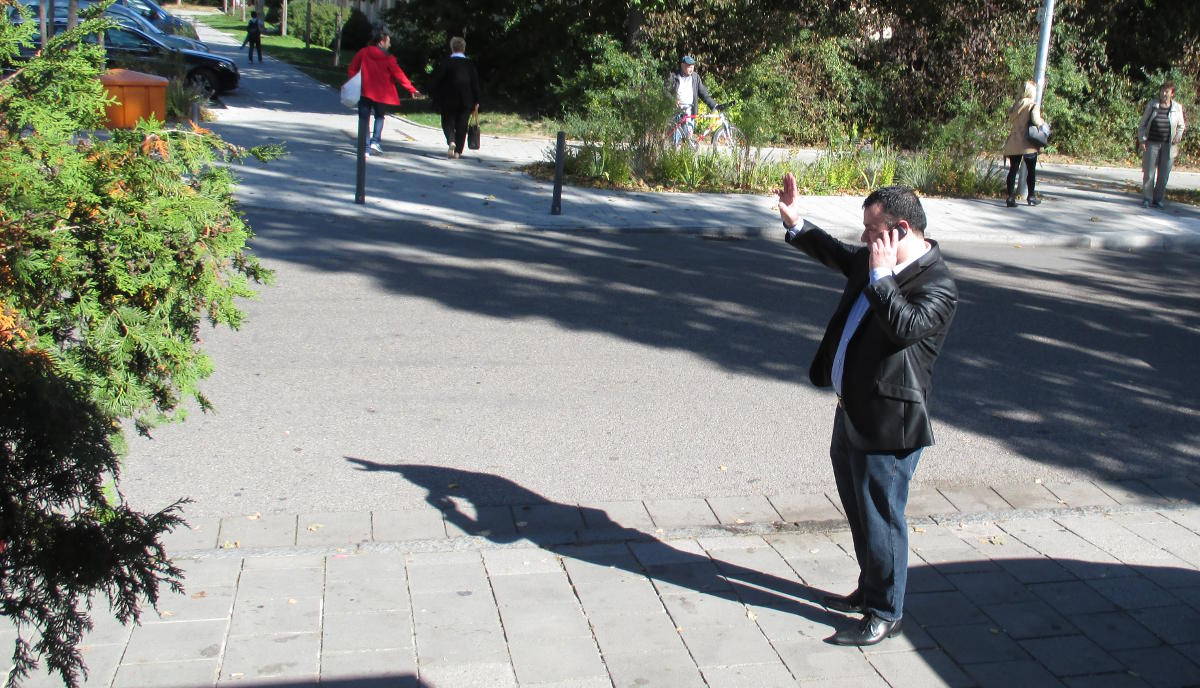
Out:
{"x": 680, "y": 513}
{"x": 1071, "y": 655}
{"x": 333, "y": 528}
{"x": 280, "y": 584}
{"x": 203, "y": 603}
{"x": 772, "y": 675}
{"x": 1114, "y": 630}
{"x": 1160, "y": 666}
{"x": 374, "y": 631}
{"x": 573, "y": 658}
{"x": 258, "y": 530}
{"x": 468, "y": 675}
{"x": 1021, "y": 672}
{"x": 392, "y": 668}
{"x": 256, "y": 617}
{"x": 193, "y": 640}
{"x": 199, "y": 533}
{"x": 1079, "y": 494}
{"x": 486, "y": 521}
{"x": 635, "y": 670}
{"x": 522, "y": 560}
{"x": 1133, "y": 493}
{"x": 195, "y": 674}
{"x": 1028, "y": 496}
{"x": 617, "y": 515}
{"x": 813, "y": 659}
{"x": 367, "y": 595}
{"x": 804, "y": 507}
{"x": 977, "y": 643}
{"x": 979, "y": 499}
{"x": 924, "y": 500}
{"x": 1023, "y": 620}
{"x": 920, "y": 668}
{"x": 405, "y": 525}
{"x": 990, "y": 587}
{"x": 542, "y": 518}
{"x": 741, "y": 510}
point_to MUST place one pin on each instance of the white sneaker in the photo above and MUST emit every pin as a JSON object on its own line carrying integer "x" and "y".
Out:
{"x": 376, "y": 147}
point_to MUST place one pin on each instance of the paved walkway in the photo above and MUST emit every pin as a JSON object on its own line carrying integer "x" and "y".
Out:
{"x": 1080, "y": 584}
{"x": 1084, "y": 206}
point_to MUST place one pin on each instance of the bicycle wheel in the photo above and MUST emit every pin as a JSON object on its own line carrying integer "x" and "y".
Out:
{"x": 728, "y": 137}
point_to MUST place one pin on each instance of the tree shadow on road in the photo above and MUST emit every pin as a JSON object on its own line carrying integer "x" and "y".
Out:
{"x": 1083, "y": 361}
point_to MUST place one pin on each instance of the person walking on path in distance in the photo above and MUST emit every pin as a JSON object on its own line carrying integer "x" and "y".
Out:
{"x": 455, "y": 90}
{"x": 1024, "y": 112}
{"x": 379, "y": 69}
{"x": 878, "y": 354}
{"x": 254, "y": 35}
{"x": 1159, "y": 133}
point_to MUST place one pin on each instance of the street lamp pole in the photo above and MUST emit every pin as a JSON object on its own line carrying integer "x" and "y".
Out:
{"x": 1039, "y": 78}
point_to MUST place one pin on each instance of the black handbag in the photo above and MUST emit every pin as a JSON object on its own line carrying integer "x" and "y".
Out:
{"x": 473, "y": 132}
{"x": 1036, "y": 136}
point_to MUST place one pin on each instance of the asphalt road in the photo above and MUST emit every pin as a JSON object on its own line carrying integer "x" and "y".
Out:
{"x": 587, "y": 367}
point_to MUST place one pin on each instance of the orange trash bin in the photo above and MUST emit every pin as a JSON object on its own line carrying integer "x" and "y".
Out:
{"x": 138, "y": 97}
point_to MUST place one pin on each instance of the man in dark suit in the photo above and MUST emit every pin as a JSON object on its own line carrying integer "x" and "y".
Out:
{"x": 456, "y": 91}
{"x": 878, "y": 354}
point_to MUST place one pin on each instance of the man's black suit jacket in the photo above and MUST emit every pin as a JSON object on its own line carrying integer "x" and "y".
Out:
{"x": 455, "y": 85}
{"x": 888, "y": 371}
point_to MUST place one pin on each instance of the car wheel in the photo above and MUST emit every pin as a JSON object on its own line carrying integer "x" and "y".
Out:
{"x": 205, "y": 80}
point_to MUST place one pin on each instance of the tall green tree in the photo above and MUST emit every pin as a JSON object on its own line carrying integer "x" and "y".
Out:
{"x": 114, "y": 248}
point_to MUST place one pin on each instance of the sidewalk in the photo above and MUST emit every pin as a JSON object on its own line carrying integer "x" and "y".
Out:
{"x": 1049, "y": 585}
{"x": 413, "y": 181}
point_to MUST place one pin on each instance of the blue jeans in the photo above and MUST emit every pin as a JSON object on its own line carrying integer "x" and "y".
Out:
{"x": 366, "y": 107}
{"x": 874, "y": 491}
{"x": 684, "y": 131}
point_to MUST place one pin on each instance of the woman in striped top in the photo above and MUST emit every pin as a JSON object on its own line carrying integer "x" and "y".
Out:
{"x": 1159, "y": 133}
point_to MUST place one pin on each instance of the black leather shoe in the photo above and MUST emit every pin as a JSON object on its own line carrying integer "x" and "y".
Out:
{"x": 870, "y": 631}
{"x": 848, "y": 604}
{"x": 1034, "y": 201}
{"x": 1011, "y": 202}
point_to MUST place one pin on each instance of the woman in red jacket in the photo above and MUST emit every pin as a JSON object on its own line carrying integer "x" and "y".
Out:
{"x": 378, "y": 68}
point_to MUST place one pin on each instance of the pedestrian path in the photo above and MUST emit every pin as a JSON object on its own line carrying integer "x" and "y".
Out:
{"x": 1082, "y": 585}
{"x": 413, "y": 181}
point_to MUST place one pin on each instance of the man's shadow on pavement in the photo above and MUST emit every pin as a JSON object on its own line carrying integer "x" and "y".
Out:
{"x": 454, "y": 492}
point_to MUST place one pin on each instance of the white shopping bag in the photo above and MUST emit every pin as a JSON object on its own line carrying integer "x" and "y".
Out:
{"x": 352, "y": 90}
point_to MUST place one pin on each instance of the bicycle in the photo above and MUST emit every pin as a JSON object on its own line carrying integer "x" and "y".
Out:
{"x": 711, "y": 128}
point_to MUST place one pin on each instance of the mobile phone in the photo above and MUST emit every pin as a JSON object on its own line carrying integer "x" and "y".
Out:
{"x": 903, "y": 231}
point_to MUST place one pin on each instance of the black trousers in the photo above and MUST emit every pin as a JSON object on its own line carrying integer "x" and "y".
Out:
{"x": 1014, "y": 164}
{"x": 454, "y": 126}
{"x": 255, "y": 42}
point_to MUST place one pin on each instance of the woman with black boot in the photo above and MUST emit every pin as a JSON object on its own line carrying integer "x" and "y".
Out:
{"x": 1024, "y": 112}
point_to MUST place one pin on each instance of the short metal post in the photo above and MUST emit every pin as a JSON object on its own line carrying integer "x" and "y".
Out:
{"x": 559, "y": 153}
{"x": 360, "y": 183}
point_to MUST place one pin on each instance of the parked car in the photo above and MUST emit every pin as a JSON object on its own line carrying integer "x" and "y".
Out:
{"x": 133, "y": 48}
{"x": 147, "y": 9}
{"x": 138, "y": 50}
{"x": 123, "y": 15}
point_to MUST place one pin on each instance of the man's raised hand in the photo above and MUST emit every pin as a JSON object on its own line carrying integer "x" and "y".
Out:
{"x": 789, "y": 210}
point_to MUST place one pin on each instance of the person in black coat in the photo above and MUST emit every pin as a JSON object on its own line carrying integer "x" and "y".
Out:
{"x": 878, "y": 354}
{"x": 455, "y": 90}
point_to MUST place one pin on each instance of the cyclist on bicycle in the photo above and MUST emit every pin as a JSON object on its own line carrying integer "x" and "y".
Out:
{"x": 687, "y": 88}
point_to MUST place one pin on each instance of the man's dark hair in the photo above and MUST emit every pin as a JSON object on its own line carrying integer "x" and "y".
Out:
{"x": 378, "y": 33}
{"x": 254, "y": 14}
{"x": 1169, "y": 84}
{"x": 899, "y": 203}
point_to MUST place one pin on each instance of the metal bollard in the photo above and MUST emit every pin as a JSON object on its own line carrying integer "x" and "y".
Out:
{"x": 360, "y": 183}
{"x": 559, "y": 153}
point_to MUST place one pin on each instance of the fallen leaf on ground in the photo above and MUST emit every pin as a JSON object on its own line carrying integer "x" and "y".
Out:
{"x": 254, "y": 516}
{"x": 315, "y": 527}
